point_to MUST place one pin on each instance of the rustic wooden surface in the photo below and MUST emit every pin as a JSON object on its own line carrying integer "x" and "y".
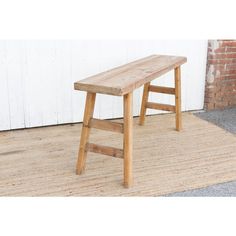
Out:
{"x": 88, "y": 114}
{"x": 106, "y": 125}
{"x": 105, "y": 150}
{"x": 143, "y": 104}
{"x": 128, "y": 140}
{"x": 160, "y": 89}
{"x": 126, "y": 78}
{"x": 178, "y": 119}
{"x": 41, "y": 161}
{"x": 158, "y": 106}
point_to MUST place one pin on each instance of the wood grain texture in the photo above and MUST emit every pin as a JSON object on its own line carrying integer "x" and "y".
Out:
{"x": 161, "y": 89}
{"x": 143, "y": 104}
{"x": 106, "y": 125}
{"x": 126, "y": 78}
{"x": 88, "y": 114}
{"x": 165, "y": 161}
{"x": 105, "y": 150}
{"x": 178, "y": 119}
{"x": 158, "y": 106}
{"x": 128, "y": 140}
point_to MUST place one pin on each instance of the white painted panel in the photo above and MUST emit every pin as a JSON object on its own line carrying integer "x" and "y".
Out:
{"x": 63, "y": 84}
{"x": 49, "y": 82}
{"x": 41, "y": 82}
{"x": 15, "y": 65}
{"x": 85, "y": 62}
{"x": 37, "y": 77}
{"x": 33, "y": 84}
{"x": 4, "y": 98}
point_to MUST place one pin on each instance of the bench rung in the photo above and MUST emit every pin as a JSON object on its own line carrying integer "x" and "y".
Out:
{"x": 105, "y": 150}
{"x": 158, "y": 106}
{"x": 159, "y": 89}
{"x": 106, "y": 125}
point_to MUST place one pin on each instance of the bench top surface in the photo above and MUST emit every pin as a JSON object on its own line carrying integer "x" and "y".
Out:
{"x": 126, "y": 78}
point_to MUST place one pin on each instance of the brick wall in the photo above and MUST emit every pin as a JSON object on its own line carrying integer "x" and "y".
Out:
{"x": 220, "y": 91}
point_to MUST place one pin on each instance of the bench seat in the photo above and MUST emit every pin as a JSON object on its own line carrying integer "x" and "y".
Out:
{"x": 124, "y": 79}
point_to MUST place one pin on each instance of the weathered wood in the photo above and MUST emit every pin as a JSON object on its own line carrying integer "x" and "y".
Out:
{"x": 106, "y": 125}
{"x": 178, "y": 98}
{"x": 88, "y": 114}
{"x": 122, "y": 81}
{"x": 158, "y": 106}
{"x": 160, "y": 89}
{"x": 105, "y": 150}
{"x": 143, "y": 105}
{"x": 126, "y": 78}
{"x": 128, "y": 139}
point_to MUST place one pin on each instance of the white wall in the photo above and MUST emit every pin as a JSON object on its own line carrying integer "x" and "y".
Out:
{"x": 36, "y": 77}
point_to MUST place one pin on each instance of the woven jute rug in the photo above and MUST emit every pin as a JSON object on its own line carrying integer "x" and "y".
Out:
{"x": 41, "y": 161}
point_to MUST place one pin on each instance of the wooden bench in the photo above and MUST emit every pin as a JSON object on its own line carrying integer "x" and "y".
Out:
{"x": 122, "y": 81}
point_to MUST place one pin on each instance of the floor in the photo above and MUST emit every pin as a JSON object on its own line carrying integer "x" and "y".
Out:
{"x": 226, "y": 119}
{"x": 41, "y": 161}
{"x": 223, "y": 118}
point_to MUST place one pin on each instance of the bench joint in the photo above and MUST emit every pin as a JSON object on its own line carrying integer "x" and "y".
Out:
{"x": 106, "y": 125}
{"x": 105, "y": 150}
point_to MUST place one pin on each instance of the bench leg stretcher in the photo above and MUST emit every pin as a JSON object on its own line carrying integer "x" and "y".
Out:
{"x": 88, "y": 114}
{"x": 127, "y": 127}
{"x": 171, "y": 91}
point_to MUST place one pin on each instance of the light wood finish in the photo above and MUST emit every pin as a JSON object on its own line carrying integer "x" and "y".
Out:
{"x": 158, "y": 106}
{"x": 121, "y": 81}
{"x": 88, "y": 114}
{"x": 40, "y": 161}
{"x": 106, "y": 125}
{"x": 178, "y": 99}
{"x": 128, "y": 139}
{"x": 160, "y": 89}
{"x": 105, "y": 150}
{"x": 126, "y": 78}
{"x": 143, "y": 105}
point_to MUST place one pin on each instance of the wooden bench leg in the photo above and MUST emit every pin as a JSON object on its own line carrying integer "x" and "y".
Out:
{"x": 128, "y": 139}
{"x": 144, "y": 102}
{"x": 178, "y": 99}
{"x": 88, "y": 114}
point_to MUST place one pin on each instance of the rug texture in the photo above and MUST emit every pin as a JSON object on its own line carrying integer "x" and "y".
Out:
{"x": 41, "y": 161}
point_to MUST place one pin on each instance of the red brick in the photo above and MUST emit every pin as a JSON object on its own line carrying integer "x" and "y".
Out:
{"x": 222, "y": 92}
{"x": 221, "y": 61}
{"x": 229, "y": 73}
{"x": 231, "y": 67}
{"x": 220, "y": 50}
{"x": 229, "y": 43}
{"x": 228, "y": 77}
{"x": 221, "y": 56}
{"x": 231, "y": 49}
{"x": 219, "y": 67}
{"x": 210, "y": 106}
